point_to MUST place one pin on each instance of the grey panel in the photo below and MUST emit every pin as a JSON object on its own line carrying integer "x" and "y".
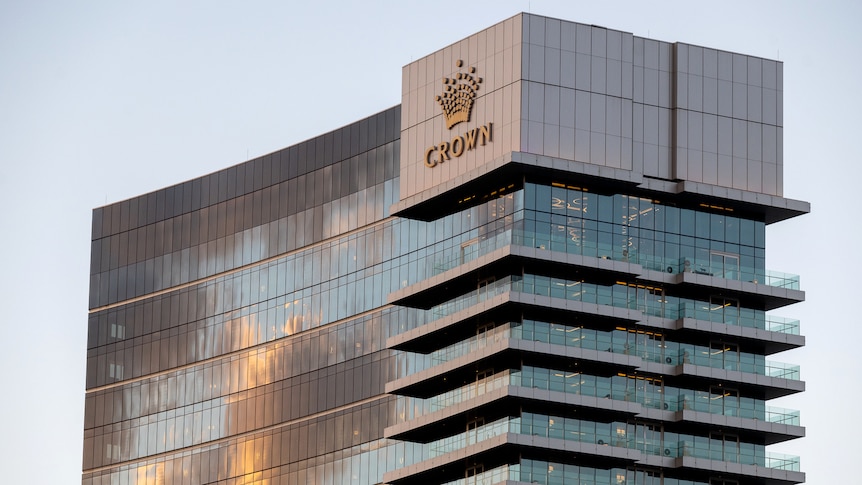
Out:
{"x": 582, "y": 110}
{"x": 755, "y": 104}
{"x": 725, "y": 170}
{"x": 710, "y": 168}
{"x": 695, "y": 92}
{"x": 651, "y": 125}
{"x": 740, "y": 173}
{"x": 755, "y": 75}
{"x": 597, "y": 113}
{"x": 638, "y": 51}
{"x": 567, "y": 36}
{"x": 770, "y": 142}
{"x": 584, "y": 39}
{"x": 536, "y": 100}
{"x": 681, "y": 99}
{"x": 740, "y": 100}
{"x": 651, "y": 86}
{"x": 638, "y": 84}
{"x": 710, "y": 63}
{"x": 695, "y": 165}
{"x": 682, "y": 128}
{"x": 552, "y": 65}
{"x": 567, "y": 143}
{"x": 682, "y": 57}
{"x": 755, "y": 140}
{"x": 583, "y": 69}
{"x": 551, "y": 142}
{"x": 567, "y": 107}
{"x": 710, "y": 133}
{"x": 627, "y": 121}
{"x": 582, "y": 145}
{"x": 665, "y": 89}
{"x": 770, "y": 106}
{"x": 627, "y": 81}
{"x": 598, "y": 75}
{"x": 552, "y": 105}
{"x": 740, "y": 68}
{"x": 567, "y": 69}
{"x": 695, "y": 60}
{"x": 536, "y": 33}
{"x": 710, "y": 95}
{"x": 614, "y": 77}
{"x": 725, "y": 98}
{"x": 614, "y": 45}
{"x": 613, "y": 151}
{"x": 754, "y": 176}
{"x": 597, "y": 148}
{"x": 613, "y": 117}
{"x": 740, "y": 140}
{"x": 599, "y": 42}
{"x": 725, "y": 66}
{"x": 552, "y": 33}
{"x": 695, "y": 130}
{"x": 536, "y": 63}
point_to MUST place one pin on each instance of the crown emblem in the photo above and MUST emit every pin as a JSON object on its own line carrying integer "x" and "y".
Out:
{"x": 457, "y": 98}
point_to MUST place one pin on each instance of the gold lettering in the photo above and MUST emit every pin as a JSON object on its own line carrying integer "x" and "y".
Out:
{"x": 457, "y": 146}
{"x": 485, "y": 133}
{"x": 428, "y": 152}
{"x": 443, "y": 152}
{"x": 470, "y": 136}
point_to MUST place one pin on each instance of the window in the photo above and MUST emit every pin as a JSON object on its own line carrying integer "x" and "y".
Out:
{"x": 472, "y": 472}
{"x": 724, "y": 265}
{"x": 724, "y": 310}
{"x": 115, "y": 371}
{"x": 118, "y": 331}
{"x": 724, "y": 356}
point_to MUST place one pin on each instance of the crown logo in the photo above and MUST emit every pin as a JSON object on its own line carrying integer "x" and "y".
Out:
{"x": 457, "y": 98}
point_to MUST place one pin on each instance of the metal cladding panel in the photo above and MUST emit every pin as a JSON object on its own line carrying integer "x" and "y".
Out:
{"x": 594, "y": 95}
{"x": 437, "y": 146}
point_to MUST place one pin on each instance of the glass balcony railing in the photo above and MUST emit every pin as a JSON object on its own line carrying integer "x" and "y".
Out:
{"x": 647, "y": 392}
{"x": 742, "y": 317}
{"x": 650, "y": 301}
{"x": 616, "y": 434}
{"x": 465, "y": 252}
{"x": 490, "y": 477}
{"x": 702, "y": 261}
{"x": 777, "y": 415}
{"x": 721, "y": 265}
{"x": 468, "y": 300}
{"x": 727, "y": 358}
{"x": 650, "y": 347}
{"x": 551, "y": 473}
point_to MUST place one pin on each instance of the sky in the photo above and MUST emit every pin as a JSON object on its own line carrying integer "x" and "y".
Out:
{"x": 101, "y": 101}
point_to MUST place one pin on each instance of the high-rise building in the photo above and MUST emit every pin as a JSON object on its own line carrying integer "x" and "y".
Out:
{"x": 547, "y": 265}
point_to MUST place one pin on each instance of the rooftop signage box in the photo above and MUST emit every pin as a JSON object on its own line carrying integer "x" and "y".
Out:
{"x": 592, "y": 95}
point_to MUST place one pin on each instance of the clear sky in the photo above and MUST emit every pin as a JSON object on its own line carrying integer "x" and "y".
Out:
{"x": 103, "y": 100}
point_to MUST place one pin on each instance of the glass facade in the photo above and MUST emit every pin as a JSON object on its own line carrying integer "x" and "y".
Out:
{"x": 238, "y": 321}
{"x": 291, "y": 320}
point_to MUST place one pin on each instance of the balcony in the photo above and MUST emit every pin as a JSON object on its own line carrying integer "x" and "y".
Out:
{"x": 614, "y": 435}
{"x": 618, "y": 388}
{"x": 703, "y": 261}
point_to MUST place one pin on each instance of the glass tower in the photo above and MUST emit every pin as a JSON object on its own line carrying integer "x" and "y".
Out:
{"x": 547, "y": 265}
